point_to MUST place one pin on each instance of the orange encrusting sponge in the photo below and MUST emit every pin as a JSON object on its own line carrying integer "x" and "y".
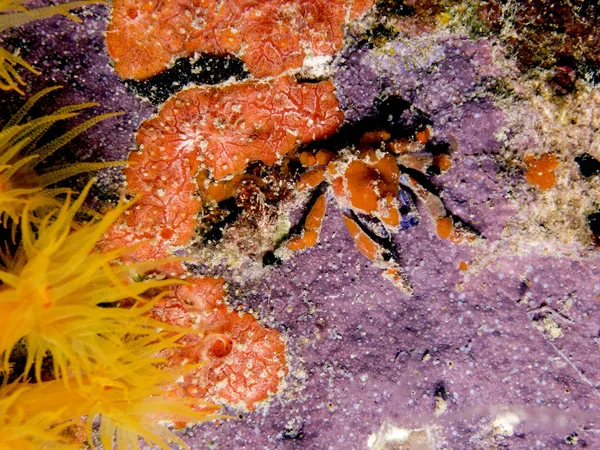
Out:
{"x": 540, "y": 171}
{"x": 241, "y": 362}
{"x": 269, "y": 36}
{"x": 212, "y": 132}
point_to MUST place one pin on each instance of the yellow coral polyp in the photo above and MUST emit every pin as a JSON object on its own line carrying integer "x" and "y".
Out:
{"x": 56, "y": 286}
{"x": 36, "y": 415}
{"x": 26, "y": 429}
{"x": 21, "y": 182}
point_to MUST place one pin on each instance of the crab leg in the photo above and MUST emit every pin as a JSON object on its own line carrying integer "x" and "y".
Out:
{"x": 444, "y": 224}
{"x": 432, "y": 202}
{"x": 312, "y": 226}
{"x": 416, "y": 161}
{"x": 311, "y": 178}
{"x": 379, "y": 255}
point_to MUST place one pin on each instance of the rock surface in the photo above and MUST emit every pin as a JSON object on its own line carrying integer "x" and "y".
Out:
{"x": 499, "y": 345}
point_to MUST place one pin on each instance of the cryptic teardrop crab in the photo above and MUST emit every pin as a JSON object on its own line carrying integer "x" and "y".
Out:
{"x": 374, "y": 172}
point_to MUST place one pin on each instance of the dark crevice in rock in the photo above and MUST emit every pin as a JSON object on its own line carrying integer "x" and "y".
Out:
{"x": 588, "y": 165}
{"x": 594, "y": 224}
{"x": 205, "y": 70}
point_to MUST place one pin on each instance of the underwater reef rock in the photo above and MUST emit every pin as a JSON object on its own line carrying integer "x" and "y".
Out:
{"x": 498, "y": 347}
{"x": 270, "y": 37}
{"x": 546, "y": 33}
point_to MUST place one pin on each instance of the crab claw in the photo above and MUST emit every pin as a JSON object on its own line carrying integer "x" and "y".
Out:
{"x": 408, "y": 211}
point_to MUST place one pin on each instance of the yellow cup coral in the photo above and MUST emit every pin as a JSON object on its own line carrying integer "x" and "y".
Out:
{"x": 34, "y": 416}
{"x": 55, "y": 287}
{"x": 61, "y": 298}
{"x": 21, "y": 183}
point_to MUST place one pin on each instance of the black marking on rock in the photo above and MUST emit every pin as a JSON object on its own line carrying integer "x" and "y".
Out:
{"x": 205, "y": 70}
{"x": 215, "y": 234}
{"x": 392, "y": 113}
{"x": 294, "y": 429}
{"x": 440, "y": 391}
{"x": 594, "y": 224}
{"x": 588, "y": 165}
{"x": 394, "y": 8}
{"x": 270, "y": 259}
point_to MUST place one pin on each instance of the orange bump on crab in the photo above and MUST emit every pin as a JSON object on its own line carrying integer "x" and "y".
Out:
{"x": 241, "y": 362}
{"x": 270, "y": 37}
{"x": 540, "y": 171}
{"x": 371, "y": 186}
{"x": 205, "y": 135}
{"x": 374, "y": 137}
{"x": 422, "y": 136}
{"x": 443, "y": 162}
{"x": 311, "y": 179}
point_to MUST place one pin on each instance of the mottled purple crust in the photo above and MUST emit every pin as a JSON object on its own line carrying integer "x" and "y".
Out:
{"x": 371, "y": 354}
{"x": 357, "y": 83}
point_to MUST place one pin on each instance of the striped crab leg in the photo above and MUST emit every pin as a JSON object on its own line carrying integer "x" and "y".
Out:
{"x": 382, "y": 257}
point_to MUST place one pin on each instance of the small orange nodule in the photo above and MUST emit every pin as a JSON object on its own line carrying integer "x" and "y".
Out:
{"x": 316, "y": 214}
{"x": 132, "y": 12}
{"x": 310, "y": 238}
{"x": 296, "y": 244}
{"x": 398, "y": 146}
{"x": 307, "y": 159}
{"x": 463, "y": 266}
{"x": 374, "y": 137}
{"x": 443, "y": 227}
{"x": 166, "y": 233}
{"x": 312, "y": 178}
{"x": 391, "y": 214}
{"x": 540, "y": 171}
{"x": 324, "y": 157}
{"x": 423, "y": 136}
{"x": 221, "y": 346}
{"x": 338, "y": 186}
{"x": 217, "y": 191}
{"x": 443, "y": 162}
